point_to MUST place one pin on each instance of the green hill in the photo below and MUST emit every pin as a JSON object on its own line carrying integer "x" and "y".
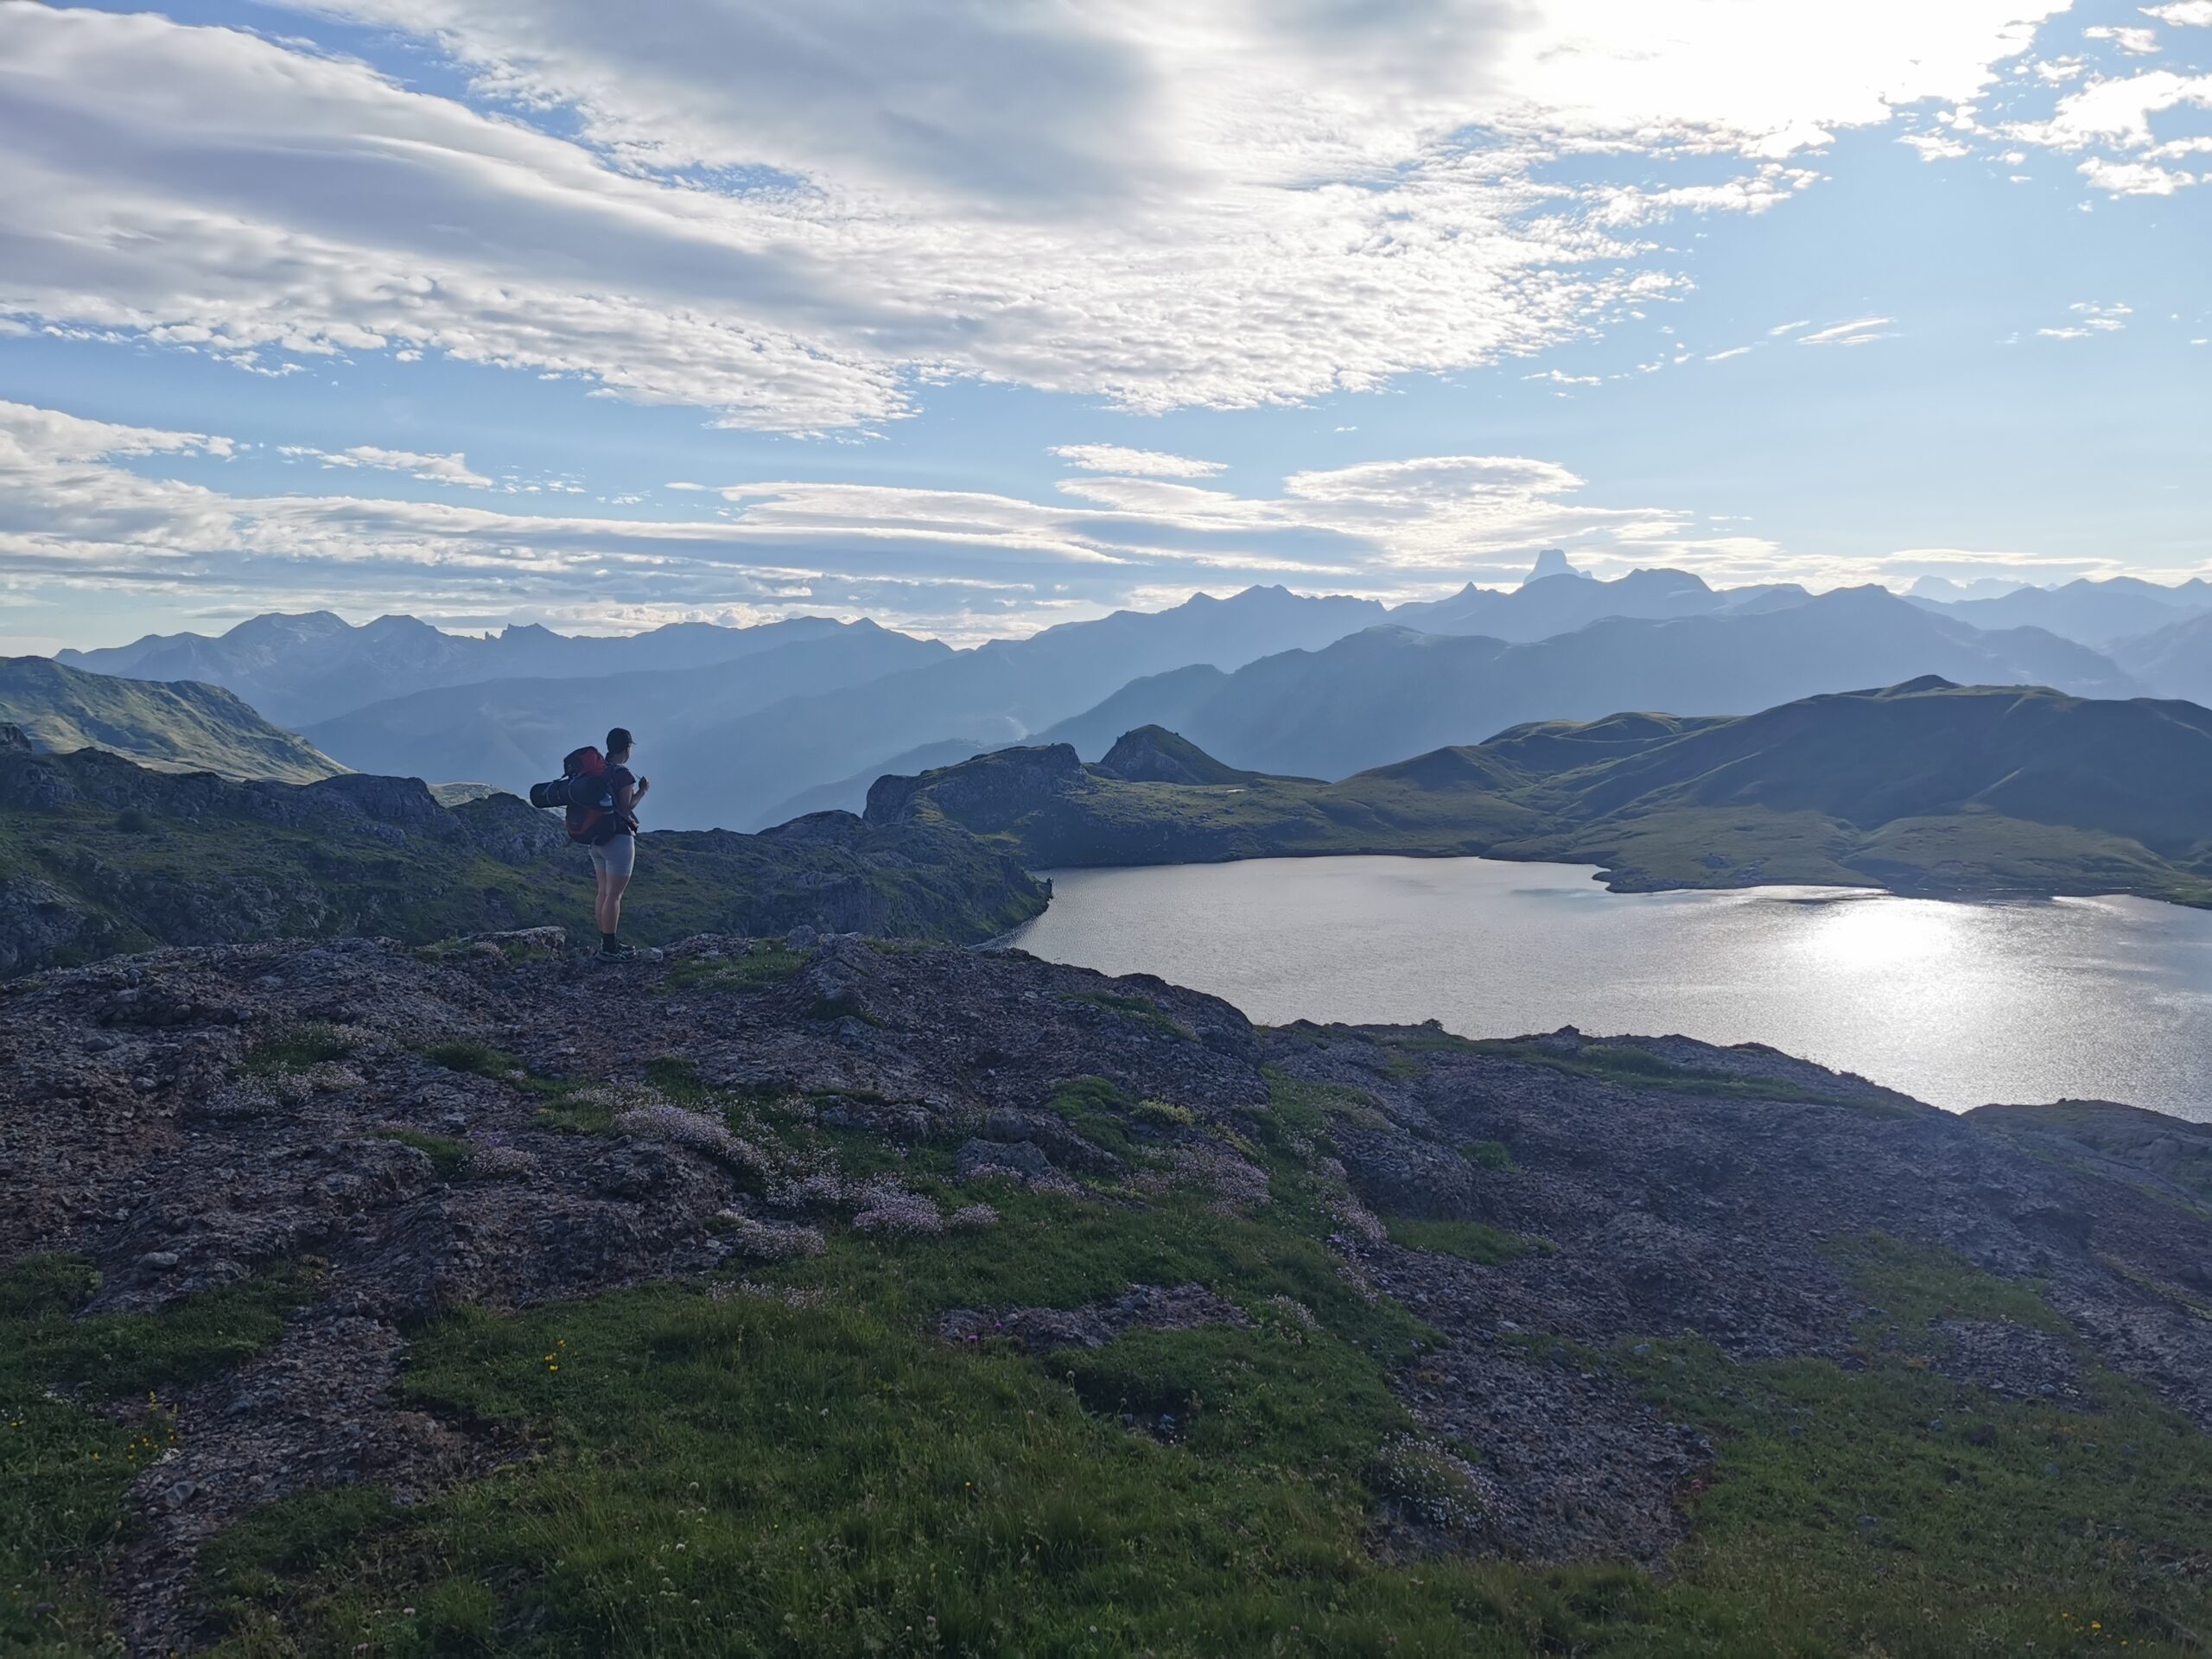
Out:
{"x": 99, "y": 856}
{"x": 179, "y": 727}
{"x": 1924, "y": 787}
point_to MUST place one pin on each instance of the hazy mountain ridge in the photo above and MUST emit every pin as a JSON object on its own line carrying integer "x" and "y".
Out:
{"x": 183, "y": 726}
{"x": 1375, "y": 696}
{"x": 1923, "y": 787}
{"x": 300, "y": 668}
{"x": 802, "y": 741}
{"x": 513, "y": 731}
{"x": 803, "y": 715}
{"x": 2095, "y": 612}
{"x": 1562, "y": 602}
{"x": 2173, "y": 661}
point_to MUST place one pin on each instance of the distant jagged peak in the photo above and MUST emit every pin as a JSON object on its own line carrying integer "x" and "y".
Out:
{"x": 302, "y": 625}
{"x": 1552, "y": 562}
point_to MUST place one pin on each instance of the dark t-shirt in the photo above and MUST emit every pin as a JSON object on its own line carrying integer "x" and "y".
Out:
{"x": 617, "y": 779}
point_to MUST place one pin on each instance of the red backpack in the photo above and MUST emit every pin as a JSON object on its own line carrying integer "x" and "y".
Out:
{"x": 583, "y": 788}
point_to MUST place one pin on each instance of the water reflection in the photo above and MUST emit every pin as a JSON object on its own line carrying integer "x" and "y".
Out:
{"x": 1957, "y": 1004}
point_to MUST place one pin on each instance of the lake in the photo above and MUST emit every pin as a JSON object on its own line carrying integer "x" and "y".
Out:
{"x": 1958, "y": 1004}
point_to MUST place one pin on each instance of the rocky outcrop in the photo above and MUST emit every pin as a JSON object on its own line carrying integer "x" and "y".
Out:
{"x": 989, "y": 794}
{"x": 111, "y": 856}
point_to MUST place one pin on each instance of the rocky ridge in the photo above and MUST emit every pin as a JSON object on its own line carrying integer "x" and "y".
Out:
{"x": 98, "y": 855}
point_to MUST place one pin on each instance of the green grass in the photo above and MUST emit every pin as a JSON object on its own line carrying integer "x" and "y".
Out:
{"x": 66, "y": 1463}
{"x": 474, "y": 1059}
{"x": 296, "y": 1048}
{"x": 450, "y": 1156}
{"x": 1097, "y": 1110}
{"x": 1889, "y": 1509}
{"x": 1308, "y": 1107}
{"x": 1141, "y": 1009}
{"x": 1471, "y": 1241}
{"x": 572, "y": 1105}
{"x": 743, "y": 1475}
{"x": 754, "y": 1474}
{"x": 744, "y": 1478}
{"x": 1164, "y": 1114}
{"x": 1488, "y": 1154}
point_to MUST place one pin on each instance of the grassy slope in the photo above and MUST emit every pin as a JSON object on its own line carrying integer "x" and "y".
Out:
{"x": 795, "y": 1466}
{"x": 83, "y": 1410}
{"x": 184, "y": 726}
{"x": 1939, "y": 789}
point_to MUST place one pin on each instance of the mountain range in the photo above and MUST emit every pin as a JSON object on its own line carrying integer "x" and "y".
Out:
{"x": 186, "y": 727}
{"x": 1385, "y": 693}
{"x": 1925, "y": 787}
{"x": 511, "y": 732}
{"x": 2095, "y": 613}
{"x": 299, "y": 670}
{"x": 747, "y": 726}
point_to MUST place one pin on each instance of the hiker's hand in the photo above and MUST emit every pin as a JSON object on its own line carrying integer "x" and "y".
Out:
{"x": 644, "y": 783}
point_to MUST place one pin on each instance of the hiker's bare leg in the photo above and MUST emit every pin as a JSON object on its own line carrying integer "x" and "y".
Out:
{"x": 599, "y": 904}
{"x": 610, "y": 903}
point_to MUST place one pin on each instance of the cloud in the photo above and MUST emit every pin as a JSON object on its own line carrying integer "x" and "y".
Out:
{"x": 74, "y": 517}
{"x": 1857, "y": 333}
{"x": 80, "y": 516}
{"x": 2134, "y": 178}
{"x": 2138, "y": 42}
{"x": 2182, "y": 12}
{"x": 798, "y": 218}
{"x": 2116, "y": 112}
{"x": 434, "y": 469}
{"x": 1733, "y": 351}
{"x": 1140, "y": 463}
{"x": 2090, "y": 318}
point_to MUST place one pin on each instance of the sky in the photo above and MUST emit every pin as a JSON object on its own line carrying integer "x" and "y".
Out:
{"x": 977, "y": 315}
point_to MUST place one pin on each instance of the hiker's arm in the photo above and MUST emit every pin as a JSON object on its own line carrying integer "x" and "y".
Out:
{"x": 626, "y": 799}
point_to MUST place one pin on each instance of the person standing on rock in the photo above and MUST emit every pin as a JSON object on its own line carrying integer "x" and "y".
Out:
{"x": 614, "y": 853}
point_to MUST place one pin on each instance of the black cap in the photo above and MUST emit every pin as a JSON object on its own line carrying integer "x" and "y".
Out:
{"x": 618, "y": 740}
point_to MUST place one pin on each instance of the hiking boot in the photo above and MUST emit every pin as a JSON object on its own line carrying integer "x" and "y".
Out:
{"x": 620, "y": 953}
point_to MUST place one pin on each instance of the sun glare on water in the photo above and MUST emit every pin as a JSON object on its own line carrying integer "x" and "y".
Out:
{"x": 1860, "y": 935}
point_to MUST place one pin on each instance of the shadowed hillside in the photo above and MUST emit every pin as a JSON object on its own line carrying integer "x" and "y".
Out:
{"x": 99, "y": 856}
{"x": 1923, "y": 787}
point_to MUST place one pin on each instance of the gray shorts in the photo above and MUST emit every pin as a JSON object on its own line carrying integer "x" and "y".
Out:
{"x": 617, "y": 855}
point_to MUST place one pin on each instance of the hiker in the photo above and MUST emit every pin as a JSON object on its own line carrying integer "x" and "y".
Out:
{"x": 614, "y": 846}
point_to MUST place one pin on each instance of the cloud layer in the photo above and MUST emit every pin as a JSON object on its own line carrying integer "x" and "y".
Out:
{"x": 78, "y": 514}
{"x": 793, "y": 216}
